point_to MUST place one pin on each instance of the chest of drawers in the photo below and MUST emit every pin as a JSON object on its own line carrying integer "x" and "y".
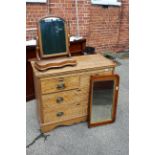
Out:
{"x": 63, "y": 94}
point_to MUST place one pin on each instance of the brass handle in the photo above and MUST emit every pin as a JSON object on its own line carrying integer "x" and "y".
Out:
{"x": 59, "y": 114}
{"x": 61, "y": 79}
{"x": 61, "y": 86}
{"x": 59, "y": 99}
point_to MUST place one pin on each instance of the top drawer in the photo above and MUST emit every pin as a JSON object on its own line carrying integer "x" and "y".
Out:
{"x": 49, "y": 85}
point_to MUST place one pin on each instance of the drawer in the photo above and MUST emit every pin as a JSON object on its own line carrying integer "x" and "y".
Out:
{"x": 65, "y": 114}
{"x": 64, "y": 99}
{"x": 85, "y": 79}
{"x": 50, "y": 85}
{"x": 106, "y": 71}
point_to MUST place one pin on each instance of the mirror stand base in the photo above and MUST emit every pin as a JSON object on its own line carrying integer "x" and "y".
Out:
{"x": 43, "y": 65}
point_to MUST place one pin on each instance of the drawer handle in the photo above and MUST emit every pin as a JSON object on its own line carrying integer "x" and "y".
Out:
{"x": 59, "y": 114}
{"x": 61, "y": 79}
{"x": 61, "y": 86}
{"x": 59, "y": 99}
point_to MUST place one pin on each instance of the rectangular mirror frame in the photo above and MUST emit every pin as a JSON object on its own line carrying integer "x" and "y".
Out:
{"x": 113, "y": 77}
{"x": 39, "y": 42}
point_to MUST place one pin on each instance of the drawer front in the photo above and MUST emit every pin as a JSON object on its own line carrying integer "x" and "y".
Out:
{"x": 64, "y": 99}
{"x": 50, "y": 85}
{"x": 85, "y": 79}
{"x": 65, "y": 114}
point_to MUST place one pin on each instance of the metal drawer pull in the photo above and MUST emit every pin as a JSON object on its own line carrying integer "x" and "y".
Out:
{"x": 59, "y": 114}
{"x": 59, "y": 99}
{"x": 61, "y": 79}
{"x": 61, "y": 86}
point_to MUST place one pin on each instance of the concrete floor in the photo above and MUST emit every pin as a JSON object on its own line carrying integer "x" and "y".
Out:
{"x": 112, "y": 139}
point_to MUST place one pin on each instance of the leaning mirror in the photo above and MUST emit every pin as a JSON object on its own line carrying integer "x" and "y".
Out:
{"x": 103, "y": 100}
{"x": 53, "y": 37}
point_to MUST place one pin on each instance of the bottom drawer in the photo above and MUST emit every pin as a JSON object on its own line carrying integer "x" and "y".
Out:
{"x": 65, "y": 114}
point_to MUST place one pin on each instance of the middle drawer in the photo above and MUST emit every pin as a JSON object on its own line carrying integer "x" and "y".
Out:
{"x": 64, "y": 99}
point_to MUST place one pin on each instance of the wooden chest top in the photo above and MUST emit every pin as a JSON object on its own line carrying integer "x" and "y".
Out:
{"x": 84, "y": 63}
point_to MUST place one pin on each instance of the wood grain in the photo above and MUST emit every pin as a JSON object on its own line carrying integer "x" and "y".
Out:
{"x": 74, "y": 106}
{"x": 43, "y": 65}
{"x": 84, "y": 63}
{"x": 73, "y": 111}
{"x": 46, "y": 127}
{"x": 49, "y": 85}
{"x": 68, "y": 99}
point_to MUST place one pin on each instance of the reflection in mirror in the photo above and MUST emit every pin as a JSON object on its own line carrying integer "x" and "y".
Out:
{"x": 103, "y": 99}
{"x": 53, "y": 35}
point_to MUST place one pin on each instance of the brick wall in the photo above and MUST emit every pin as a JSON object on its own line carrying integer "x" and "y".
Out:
{"x": 106, "y": 29}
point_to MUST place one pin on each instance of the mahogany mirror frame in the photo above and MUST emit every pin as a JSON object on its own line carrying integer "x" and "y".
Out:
{"x": 39, "y": 41}
{"x": 95, "y": 78}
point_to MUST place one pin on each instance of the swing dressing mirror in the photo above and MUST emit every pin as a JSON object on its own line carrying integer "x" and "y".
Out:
{"x": 53, "y": 37}
{"x": 53, "y": 44}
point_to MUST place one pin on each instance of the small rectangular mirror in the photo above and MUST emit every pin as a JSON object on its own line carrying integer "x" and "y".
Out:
{"x": 103, "y": 99}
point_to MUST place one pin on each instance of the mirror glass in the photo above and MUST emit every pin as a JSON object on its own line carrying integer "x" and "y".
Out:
{"x": 102, "y": 101}
{"x": 53, "y": 35}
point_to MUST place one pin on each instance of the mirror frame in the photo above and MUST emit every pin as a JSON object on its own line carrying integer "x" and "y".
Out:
{"x": 39, "y": 41}
{"x": 95, "y": 78}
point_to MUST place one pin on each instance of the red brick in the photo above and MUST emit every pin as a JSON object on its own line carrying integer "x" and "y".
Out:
{"x": 104, "y": 28}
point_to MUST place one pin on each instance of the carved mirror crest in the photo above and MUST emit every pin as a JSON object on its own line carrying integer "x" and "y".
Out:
{"x": 103, "y": 100}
